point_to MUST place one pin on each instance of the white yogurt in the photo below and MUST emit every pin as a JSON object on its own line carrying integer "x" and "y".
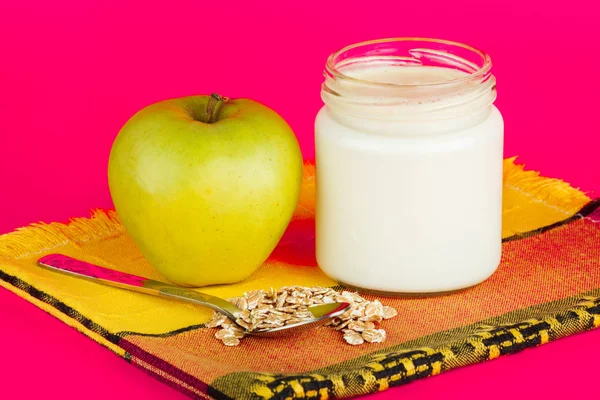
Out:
{"x": 409, "y": 186}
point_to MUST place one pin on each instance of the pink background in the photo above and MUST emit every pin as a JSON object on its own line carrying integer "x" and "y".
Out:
{"x": 72, "y": 72}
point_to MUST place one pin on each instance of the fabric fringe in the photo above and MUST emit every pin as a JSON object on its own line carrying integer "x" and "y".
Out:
{"x": 39, "y": 237}
{"x": 555, "y": 192}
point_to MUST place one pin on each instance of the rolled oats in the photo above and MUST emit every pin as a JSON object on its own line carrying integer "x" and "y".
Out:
{"x": 289, "y": 305}
{"x": 281, "y": 300}
{"x": 341, "y": 325}
{"x": 217, "y": 320}
{"x": 359, "y": 326}
{"x": 373, "y": 335}
{"x": 254, "y": 298}
{"x": 389, "y": 312}
{"x": 352, "y": 337}
{"x": 240, "y": 302}
{"x": 231, "y": 341}
{"x": 223, "y": 333}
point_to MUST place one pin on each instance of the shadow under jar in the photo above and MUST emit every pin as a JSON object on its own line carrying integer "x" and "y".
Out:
{"x": 409, "y": 157}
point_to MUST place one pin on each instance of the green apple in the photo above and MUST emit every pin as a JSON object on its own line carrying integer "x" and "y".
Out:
{"x": 205, "y": 186}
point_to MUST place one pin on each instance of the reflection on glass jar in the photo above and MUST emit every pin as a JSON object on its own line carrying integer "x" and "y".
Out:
{"x": 409, "y": 151}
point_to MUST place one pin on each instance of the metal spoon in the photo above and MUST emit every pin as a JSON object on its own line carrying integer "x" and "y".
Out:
{"x": 95, "y": 273}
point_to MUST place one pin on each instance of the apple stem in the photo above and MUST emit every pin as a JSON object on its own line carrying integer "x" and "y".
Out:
{"x": 213, "y": 107}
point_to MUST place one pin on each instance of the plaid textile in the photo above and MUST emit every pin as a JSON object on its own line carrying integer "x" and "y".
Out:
{"x": 547, "y": 287}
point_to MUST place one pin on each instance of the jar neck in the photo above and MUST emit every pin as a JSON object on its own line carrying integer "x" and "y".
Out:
{"x": 423, "y": 85}
{"x": 400, "y": 115}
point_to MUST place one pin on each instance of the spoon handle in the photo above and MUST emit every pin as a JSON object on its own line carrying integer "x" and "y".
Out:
{"x": 110, "y": 277}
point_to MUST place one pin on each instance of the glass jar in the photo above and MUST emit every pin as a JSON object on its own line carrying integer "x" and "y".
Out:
{"x": 409, "y": 156}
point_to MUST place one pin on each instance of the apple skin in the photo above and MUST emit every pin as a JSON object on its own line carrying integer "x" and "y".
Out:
{"x": 205, "y": 203}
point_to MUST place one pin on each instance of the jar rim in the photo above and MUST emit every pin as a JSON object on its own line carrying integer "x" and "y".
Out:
{"x": 482, "y": 71}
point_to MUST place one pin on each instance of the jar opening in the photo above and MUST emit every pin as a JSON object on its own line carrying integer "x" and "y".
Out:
{"x": 410, "y": 52}
{"x": 401, "y": 78}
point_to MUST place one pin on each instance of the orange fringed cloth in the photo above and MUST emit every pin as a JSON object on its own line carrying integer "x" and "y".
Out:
{"x": 547, "y": 287}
